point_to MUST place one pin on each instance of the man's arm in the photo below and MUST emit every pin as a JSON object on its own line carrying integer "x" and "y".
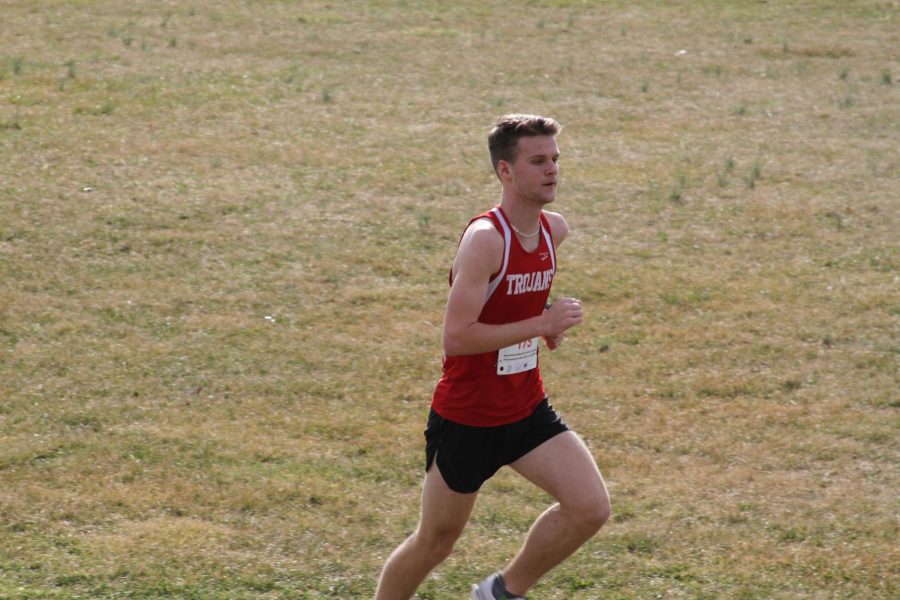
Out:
{"x": 559, "y": 229}
{"x": 478, "y": 257}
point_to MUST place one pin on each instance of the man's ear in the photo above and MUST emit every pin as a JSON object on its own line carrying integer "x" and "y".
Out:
{"x": 503, "y": 169}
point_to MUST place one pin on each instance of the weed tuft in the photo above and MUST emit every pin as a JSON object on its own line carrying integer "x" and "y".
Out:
{"x": 754, "y": 175}
{"x": 791, "y": 535}
{"x": 641, "y": 544}
{"x": 82, "y": 421}
{"x": 836, "y": 220}
{"x": 676, "y": 193}
{"x": 107, "y": 108}
{"x": 886, "y": 78}
{"x": 791, "y": 385}
{"x": 424, "y": 220}
{"x": 15, "y": 123}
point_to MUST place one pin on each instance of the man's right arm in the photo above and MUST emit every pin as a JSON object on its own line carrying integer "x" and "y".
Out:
{"x": 479, "y": 255}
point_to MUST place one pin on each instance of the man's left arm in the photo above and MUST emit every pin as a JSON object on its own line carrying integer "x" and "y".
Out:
{"x": 559, "y": 230}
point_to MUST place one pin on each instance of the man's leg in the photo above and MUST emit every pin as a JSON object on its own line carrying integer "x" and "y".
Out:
{"x": 565, "y": 469}
{"x": 444, "y": 515}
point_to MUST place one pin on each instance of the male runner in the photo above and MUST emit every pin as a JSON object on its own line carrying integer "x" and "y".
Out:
{"x": 489, "y": 409}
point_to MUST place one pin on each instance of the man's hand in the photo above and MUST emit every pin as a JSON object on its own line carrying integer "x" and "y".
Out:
{"x": 563, "y": 314}
{"x": 554, "y": 341}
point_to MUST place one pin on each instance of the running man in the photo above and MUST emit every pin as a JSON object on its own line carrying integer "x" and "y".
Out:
{"x": 489, "y": 408}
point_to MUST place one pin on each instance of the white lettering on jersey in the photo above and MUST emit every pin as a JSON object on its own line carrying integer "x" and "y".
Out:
{"x": 522, "y": 283}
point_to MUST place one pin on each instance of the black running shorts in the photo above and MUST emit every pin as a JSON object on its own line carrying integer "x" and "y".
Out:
{"x": 468, "y": 456}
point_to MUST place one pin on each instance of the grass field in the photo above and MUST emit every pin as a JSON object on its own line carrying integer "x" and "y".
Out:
{"x": 224, "y": 234}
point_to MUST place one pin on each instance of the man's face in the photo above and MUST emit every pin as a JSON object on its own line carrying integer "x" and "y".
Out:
{"x": 535, "y": 172}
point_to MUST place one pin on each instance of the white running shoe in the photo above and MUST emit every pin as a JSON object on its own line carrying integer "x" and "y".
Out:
{"x": 491, "y": 589}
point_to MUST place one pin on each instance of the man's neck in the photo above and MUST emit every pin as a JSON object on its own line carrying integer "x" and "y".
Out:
{"x": 524, "y": 214}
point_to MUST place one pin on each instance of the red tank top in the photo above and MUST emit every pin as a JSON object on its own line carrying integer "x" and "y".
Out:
{"x": 471, "y": 391}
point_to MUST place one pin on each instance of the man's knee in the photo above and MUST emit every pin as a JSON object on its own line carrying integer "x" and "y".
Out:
{"x": 591, "y": 513}
{"x": 437, "y": 545}
{"x": 601, "y": 513}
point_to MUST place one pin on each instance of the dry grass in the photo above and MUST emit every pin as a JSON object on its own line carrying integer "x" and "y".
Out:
{"x": 224, "y": 230}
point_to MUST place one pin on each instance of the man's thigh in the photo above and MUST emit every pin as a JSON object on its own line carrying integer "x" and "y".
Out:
{"x": 564, "y": 468}
{"x": 444, "y": 511}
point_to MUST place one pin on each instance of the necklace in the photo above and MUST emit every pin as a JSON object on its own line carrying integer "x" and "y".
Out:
{"x": 526, "y": 235}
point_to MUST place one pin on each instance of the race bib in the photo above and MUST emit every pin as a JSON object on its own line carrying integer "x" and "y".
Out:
{"x": 518, "y": 357}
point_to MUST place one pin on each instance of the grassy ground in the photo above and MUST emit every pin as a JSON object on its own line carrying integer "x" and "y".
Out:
{"x": 224, "y": 234}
